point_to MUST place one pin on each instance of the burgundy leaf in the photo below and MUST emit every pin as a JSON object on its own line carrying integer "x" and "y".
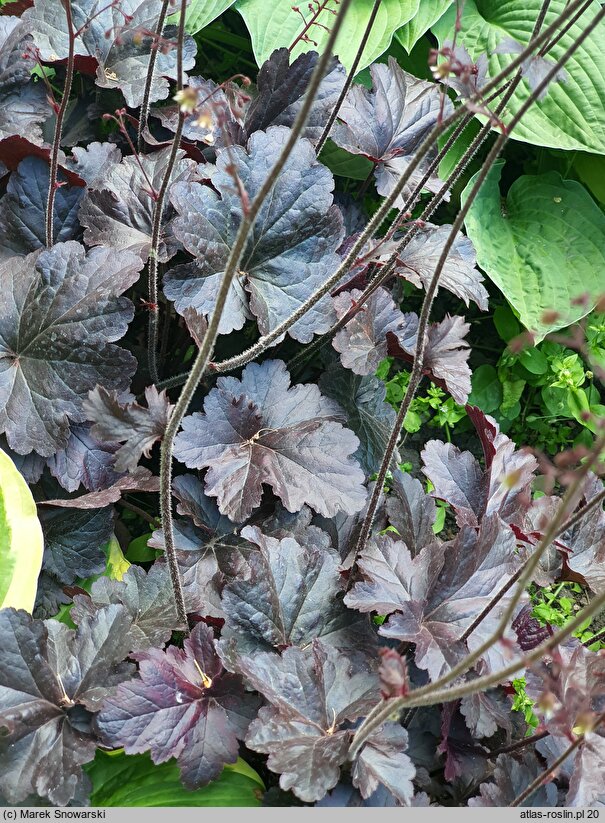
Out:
{"x": 311, "y": 692}
{"x": 184, "y": 705}
{"x": 513, "y": 775}
{"x": 119, "y": 207}
{"x": 138, "y": 427}
{"x": 261, "y": 430}
{"x": 51, "y": 679}
{"x": 382, "y": 760}
{"x": 59, "y": 315}
{"x": 146, "y": 596}
{"x": 411, "y": 511}
{"x": 291, "y": 249}
{"x": 140, "y": 480}
{"x": 388, "y": 123}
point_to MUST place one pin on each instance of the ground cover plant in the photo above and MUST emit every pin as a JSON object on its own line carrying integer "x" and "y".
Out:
{"x": 302, "y": 346}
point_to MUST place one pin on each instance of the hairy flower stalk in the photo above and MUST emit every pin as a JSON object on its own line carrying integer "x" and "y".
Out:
{"x": 541, "y": 779}
{"x": 423, "y": 320}
{"x": 349, "y": 80}
{"x": 375, "y": 223}
{"x": 371, "y": 721}
{"x": 60, "y": 116}
{"x": 156, "y": 231}
{"x": 205, "y": 350}
{"x": 144, "y": 110}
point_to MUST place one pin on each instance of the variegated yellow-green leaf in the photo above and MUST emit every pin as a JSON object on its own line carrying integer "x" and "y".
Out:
{"x": 21, "y": 541}
{"x": 117, "y": 565}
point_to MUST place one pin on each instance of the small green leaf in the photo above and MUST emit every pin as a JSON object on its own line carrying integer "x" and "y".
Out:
{"x": 487, "y": 389}
{"x": 117, "y": 565}
{"x": 506, "y": 323}
{"x": 133, "y": 780}
{"x": 543, "y": 248}
{"x": 534, "y": 361}
{"x": 21, "y": 540}
{"x": 139, "y": 552}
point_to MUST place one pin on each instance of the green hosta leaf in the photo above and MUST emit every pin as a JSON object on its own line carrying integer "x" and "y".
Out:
{"x": 202, "y": 12}
{"x": 133, "y": 780}
{"x": 21, "y": 541}
{"x": 274, "y": 24}
{"x": 572, "y": 114}
{"x": 544, "y": 247}
{"x": 590, "y": 169}
{"x": 428, "y": 13}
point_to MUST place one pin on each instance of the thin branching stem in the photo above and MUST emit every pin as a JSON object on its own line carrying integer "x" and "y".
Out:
{"x": 542, "y": 778}
{"x": 423, "y": 319}
{"x": 156, "y": 231}
{"x": 144, "y": 110}
{"x": 374, "y": 224}
{"x": 469, "y": 660}
{"x": 433, "y": 693}
{"x": 249, "y": 215}
{"x": 349, "y": 80}
{"x": 54, "y": 155}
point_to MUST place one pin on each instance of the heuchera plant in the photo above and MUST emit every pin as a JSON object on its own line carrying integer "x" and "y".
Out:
{"x": 192, "y": 305}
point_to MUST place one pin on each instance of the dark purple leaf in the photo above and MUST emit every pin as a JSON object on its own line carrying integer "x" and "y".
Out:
{"x": 184, "y": 705}
{"x": 345, "y": 795}
{"x": 281, "y": 91}
{"x": 486, "y": 712}
{"x": 140, "y": 480}
{"x": 138, "y": 427}
{"x": 411, "y": 511}
{"x": 74, "y": 541}
{"x": 261, "y": 430}
{"x": 23, "y": 103}
{"x": 94, "y": 162}
{"x": 120, "y": 46}
{"x": 23, "y": 209}
{"x": 59, "y": 315}
{"x": 513, "y": 775}
{"x": 383, "y": 761}
{"x": 438, "y": 593}
{"x": 535, "y": 67}
{"x": 291, "y": 249}
{"x": 388, "y": 123}
{"x": 473, "y": 493}
{"x": 366, "y": 410}
{"x": 148, "y": 599}
{"x": 29, "y": 465}
{"x": 193, "y": 503}
{"x": 311, "y": 692}
{"x": 530, "y": 632}
{"x": 586, "y": 766}
{"x": 418, "y": 261}
{"x": 49, "y": 596}
{"x": 118, "y": 209}
{"x": 446, "y": 352}
{"x": 51, "y": 679}
{"x": 84, "y": 461}
{"x": 293, "y": 593}
{"x": 362, "y": 343}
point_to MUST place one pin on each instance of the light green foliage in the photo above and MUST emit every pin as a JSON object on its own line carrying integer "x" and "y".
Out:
{"x": 572, "y": 114}
{"x": 435, "y": 408}
{"x": 487, "y": 389}
{"x": 558, "y": 606}
{"x": 21, "y": 540}
{"x": 544, "y": 247}
{"x": 133, "y": 780}
{"x": 345, "y": 164}
{"x": 524, "y": 704}
{"x": 273, "y": 25}
{"x": 428, "y": 13}
{"x": 202, "y": 12}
